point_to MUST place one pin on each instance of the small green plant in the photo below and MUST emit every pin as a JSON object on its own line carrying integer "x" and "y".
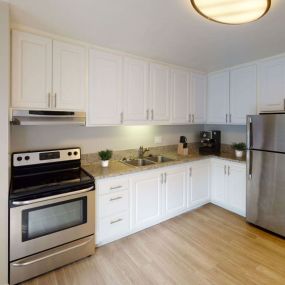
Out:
{"x": 239, "y": 146}
{"x": 105, "y": 154}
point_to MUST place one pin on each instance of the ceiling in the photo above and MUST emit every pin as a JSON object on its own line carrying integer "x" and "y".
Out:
{"x": 167, "y": 30}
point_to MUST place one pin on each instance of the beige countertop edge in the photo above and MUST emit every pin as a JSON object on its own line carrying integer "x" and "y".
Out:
{"x": 118, "y": 168}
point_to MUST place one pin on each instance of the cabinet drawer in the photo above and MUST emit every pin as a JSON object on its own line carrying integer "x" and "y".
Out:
{"x": 115, "y": 225}
{"x": 114, "y": 203}
{"x": 112, "y": 185}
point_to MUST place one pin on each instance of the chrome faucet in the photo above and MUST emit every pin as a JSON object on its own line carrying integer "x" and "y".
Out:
{"x": 142, "y": 151}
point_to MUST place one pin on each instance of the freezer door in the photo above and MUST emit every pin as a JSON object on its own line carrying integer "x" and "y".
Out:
{"x": 265, "y": 205}
{"x": 266, "y": 132}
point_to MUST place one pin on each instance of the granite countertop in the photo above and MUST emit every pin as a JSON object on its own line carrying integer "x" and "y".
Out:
{"x": 117, "y": 167}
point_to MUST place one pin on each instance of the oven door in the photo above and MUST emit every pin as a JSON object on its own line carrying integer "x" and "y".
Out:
{"x": 41, "y": 224}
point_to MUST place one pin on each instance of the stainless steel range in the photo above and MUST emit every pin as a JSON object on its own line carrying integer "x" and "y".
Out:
{"x": 52, "y": 212}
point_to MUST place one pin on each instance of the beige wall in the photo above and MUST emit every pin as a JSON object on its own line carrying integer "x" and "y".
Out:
{"x": 4, "y": 139}
{"x": 98, "y": 138}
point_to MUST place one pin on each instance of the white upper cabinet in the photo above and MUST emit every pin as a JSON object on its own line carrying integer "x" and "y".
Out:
{"x": 271, "y": 85}
{"x": 136, "y": 90}
{"x": 242, "y": 94}
{"x": 180, "y": 96}
{"x": 159, "y": 93}
{"x": 105, "y": 88}
{"x": 69, "y": 76}
{"x": 47, "y": 74}
{"x": 218, "y": 97}
{"x": 31, "y": 71}
{"x": 198, "y": 98}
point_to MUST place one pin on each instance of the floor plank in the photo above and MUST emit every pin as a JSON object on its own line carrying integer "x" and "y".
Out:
{"x": 208, "y": 246}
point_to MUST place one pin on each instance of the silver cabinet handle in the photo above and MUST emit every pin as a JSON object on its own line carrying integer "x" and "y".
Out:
{"x": 152, "y": 114}
{"x": 190, "y": 171}
{"x": 55, "y": 100}
{"x": 116, "y": 221}
{"x": 226, "y": 118}
{"x": 161, "y": 178}
{"x": 116, "y": 187}
{"x": 193, "y": 120}
{"x": 115, "y": 199}
{"x": 230, "y": 117}
{"x": 165, "y": 178}
{"x": 18, "y": 264}
{"x": 284, "y": 104}
{"x": 122, "y": 117}
{"x": 189, "y": 118}
{"x": 27, "y": 202}
{"x": 49, "y": 100}
{"x": 147, "y": 114}
{"x": 229, "y": 172}
{"x": 225, "y": 170}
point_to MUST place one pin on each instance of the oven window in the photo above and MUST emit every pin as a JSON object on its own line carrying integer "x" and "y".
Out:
{"x": 41, "y": 221}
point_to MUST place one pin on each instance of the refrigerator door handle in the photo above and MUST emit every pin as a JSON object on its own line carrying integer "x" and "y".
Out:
{"x": 249, "y": 133}
{"x": 249, "y": 164}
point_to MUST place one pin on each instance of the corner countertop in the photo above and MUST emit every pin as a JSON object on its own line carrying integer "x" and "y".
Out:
{"x": 117, "y": 168}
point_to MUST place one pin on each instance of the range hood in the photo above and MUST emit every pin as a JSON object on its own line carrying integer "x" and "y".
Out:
{"x": 48, "y": 118}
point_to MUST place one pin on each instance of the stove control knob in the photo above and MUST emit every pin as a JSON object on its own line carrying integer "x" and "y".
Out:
{"x": 19, "y": 158}
{"x": 27, "y": 157}
{"x": 75, "y": 153}
{"x": 69, "y": 153}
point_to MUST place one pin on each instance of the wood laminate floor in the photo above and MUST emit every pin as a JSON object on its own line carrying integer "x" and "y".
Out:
{"x": 203, "y": 247}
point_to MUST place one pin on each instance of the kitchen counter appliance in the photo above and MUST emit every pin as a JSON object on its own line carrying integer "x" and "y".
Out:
{"x": 265, "y": 205}
{"x": 52, "y": 212}
{"x": 210, "y": 142}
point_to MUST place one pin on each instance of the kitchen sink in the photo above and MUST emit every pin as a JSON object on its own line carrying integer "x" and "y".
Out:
{"x": 150, "y": 160}
{"x": 139, "y": 162}
{"x": 159, "y": 159}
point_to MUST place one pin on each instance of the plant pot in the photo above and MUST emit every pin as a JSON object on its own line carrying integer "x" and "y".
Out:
{"x": 239, "y": 153}
{"x": 104, "y": 163}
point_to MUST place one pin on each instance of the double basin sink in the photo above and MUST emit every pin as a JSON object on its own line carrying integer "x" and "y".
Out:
{"x": 150, "y": 160}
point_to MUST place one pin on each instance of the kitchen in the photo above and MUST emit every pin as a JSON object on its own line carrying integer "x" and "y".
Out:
{"x": 155, "y": 216}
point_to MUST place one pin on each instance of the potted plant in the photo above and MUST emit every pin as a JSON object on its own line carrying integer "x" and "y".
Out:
{"x": 239, "y": 149}
{"x": 105, "y": 156}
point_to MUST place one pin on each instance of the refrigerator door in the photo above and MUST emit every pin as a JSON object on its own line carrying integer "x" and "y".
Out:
{"x": 265, "y": 205}
{"x": 266, "y": 132}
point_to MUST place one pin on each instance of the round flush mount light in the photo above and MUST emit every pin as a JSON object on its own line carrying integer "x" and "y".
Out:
{"x": 232, "y": 12}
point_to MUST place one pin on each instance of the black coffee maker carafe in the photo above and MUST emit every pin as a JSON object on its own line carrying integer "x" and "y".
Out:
{"x": 210, "y": 142}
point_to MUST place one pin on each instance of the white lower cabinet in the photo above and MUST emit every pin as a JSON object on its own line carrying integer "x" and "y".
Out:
{"x": 199, "y": 188}
{"x": 229, "y": 185}
{"x": 146, "y": 199}
{"x": 129, "y": 203}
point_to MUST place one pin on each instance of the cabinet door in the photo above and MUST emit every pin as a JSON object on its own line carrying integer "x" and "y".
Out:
{"x": 242, "y": 94}
{"x": 175, "y": 191}
{"x": 237, "y": 188}
{"x": 180, "y": 96}
{"x": 146, "y": 190}
{"x": 136, "y": 75}
{"x": 105, "y": 94}
{"x": 160, "y": 93}
{"x": 69, "y": 76}
{"x": 218, "y": 98}
{"x": 271, "y": 81}
{"x": 199, "y": 190}
{"x": 31, "y": 71}
{"x": 219, "y": 182}
{"x": 198, "y": 98}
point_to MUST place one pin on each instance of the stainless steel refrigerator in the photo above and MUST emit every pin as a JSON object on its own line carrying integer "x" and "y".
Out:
{"x": 265, "y": 206}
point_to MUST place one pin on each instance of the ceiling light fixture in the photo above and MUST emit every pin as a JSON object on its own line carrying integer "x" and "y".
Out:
{"x": 232, "y": 12}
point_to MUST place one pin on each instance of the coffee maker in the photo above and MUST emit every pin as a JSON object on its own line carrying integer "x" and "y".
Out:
{"x": 210, "y": 142}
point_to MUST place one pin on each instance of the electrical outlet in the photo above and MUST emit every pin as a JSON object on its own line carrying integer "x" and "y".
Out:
{"x": 157, "y": 139}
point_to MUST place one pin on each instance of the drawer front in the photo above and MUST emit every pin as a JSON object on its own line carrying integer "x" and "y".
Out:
{"x": 115, "y": 225}
{"x": 114, "y": 203}
{"x": 112, "y": 185}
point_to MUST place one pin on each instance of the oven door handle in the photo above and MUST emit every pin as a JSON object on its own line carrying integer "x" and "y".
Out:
{"x": 27, "y": 202}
